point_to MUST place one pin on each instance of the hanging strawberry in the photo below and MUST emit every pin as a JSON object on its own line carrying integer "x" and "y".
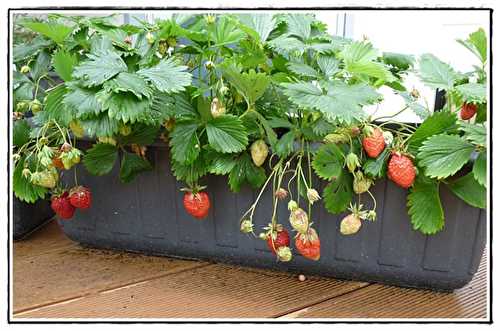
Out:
{"x": 80, "y": 197}
{"x": 373, "y": 142}
{"x": 276, "y": 238}
{"x": 62, "y": 206}
{"x": 308, "y": 244}
{"x": 401, "y": 170}
{"x": 259, "y": 151}
{"x": 468, "y": 111}
{"x": 196, "y": 202}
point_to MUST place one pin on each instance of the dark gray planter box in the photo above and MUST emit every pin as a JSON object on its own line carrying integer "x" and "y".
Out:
{"x": 29, "y": 216}
{"x": 147, "y": 216}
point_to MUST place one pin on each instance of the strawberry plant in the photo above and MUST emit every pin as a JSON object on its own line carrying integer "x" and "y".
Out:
{"x": 269, "y": 101}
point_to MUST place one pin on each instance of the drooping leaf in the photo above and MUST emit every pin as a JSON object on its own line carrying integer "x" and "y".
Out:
{"x": 99, "y": 68}
{"x": 443, "y": 155}
{"x": 23, "y": 189}
{"x": 246, "y": 171}
{"x": 55, "y": 109}
{"x": 64, "y": 63}
{"x": 20, "y": 133}
{"x": 124, "y": 106}
{"x": 41, "y": 66}
{"x": 141, "y": 135}
{"x": 184, "y": 142}
{"x": 435, "y": 73}
{"x": 469, "y": 190}
{"x": 472, "y": 92}
{"x": 222, "y": 164}
{"x": 167, "y": 76}
{"x": 328, "y": 162}
{"x": 341, "y": 102}
{"x": 479, "y": 169}
{"x": 55, "y": 31}
{"x": 83, "y": 100}
{"x": 337, "y": 195}
{"x": 190, "y": 173}
{"x": 26, "y": 50}
{"x": 475, "y": 133}
{"x": 99, "y": 125}
{"x": 376, "y": 168}
{"x": 399, "y": 61}
{"x": 359, "y": 58}
{"x": 226, "y": 134}
{"x": 424, "y": 206}
{"x": 100, "y": 159}
{"x": 438, "y": 122}
{"x": 284, "y": 146}
{"x": 129, "y": 82}
{"x": 132, "y": 165}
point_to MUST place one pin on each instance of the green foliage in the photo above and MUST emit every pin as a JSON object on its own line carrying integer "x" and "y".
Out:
{"x": 443, "y": 155}
{"x": 438, "y": 122}
{"x": 469, "y": 190}
{"x": 184, "y": 142}
{"x": 99, "y": 68}
{"x": 328, "y": 162}
{"x": 55, "y": 31}
{"x": 131, "y": 166}
{"x": 376, "y": 168}
{"x": 337, "y": 195}
{"x": 251, "y": 85}
{"x": 479, "y": 169}
{"x": 258, "y": 26}
{"x": 55, "y": 108}
{"x": 100, "y": 159}
{"x": 435, "y": 73}
{"x": 475, "y": 133}
{"x": 83, "y": 100}
{"x": 226, "y": 134}
{"x": 23, "y": 189}
{"x": 167, "y": 76}
{"x": 477, "y": 44}
{"x": 424, "y": 206}
{"x": 64, "y": 63}
{"x": 472, "y": 92}
{"x": 284, "y": 146}
{"x": 359, "y": 58}
{"x": 21, "y": 133}
{"x": 246, "y": 171}
{"x": 129, "y": 82}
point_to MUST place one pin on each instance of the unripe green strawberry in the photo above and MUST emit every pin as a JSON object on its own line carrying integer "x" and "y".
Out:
{"x": 210, "y": 19}
{"x": 284, "y": 253}
{"x": 35, "y": 106}
{"x": 150, "y": 38}
{"x": 259, "y": 151}
{"x": 47, "y": 178}
{"x": 352, "y": 162}
{"x": 25, "y": 69}
{"x": 172, "y": 42}
{"x": 125, "y": 130}
{"x": 361, "y": 184}
{"x": 350, "y": 224}
{"x": 21, "y": 106}
{"x": 292, "y": 205}
{"x": 299, "y": 220}
{"x": 107, "y": 140}
{"x": 77, "y": 129}
{"x": 335, "y": 138}
{"x": 246, "y": 226}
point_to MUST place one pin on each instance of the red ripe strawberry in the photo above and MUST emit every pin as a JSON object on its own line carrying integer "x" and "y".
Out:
{"x": 468, "y": 111}
{"x": 279, "y": 238}
{"x": 374, "y": 144}
{"x": 308, "y": 244}
{"x": 197, "y": 204}
{"x": 62, "y": 207}
{"x": 401, "y": 170}
{"x": 80, "y": 197}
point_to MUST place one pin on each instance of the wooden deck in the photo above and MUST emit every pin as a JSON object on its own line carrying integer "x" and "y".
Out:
{"x": 56, "y": 278}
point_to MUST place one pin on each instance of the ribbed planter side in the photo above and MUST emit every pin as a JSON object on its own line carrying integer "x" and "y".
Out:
{"x": 147, "y": 216}
{"x": 27, "y": 217}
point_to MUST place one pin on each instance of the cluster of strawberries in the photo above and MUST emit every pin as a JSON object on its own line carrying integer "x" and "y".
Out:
{"x": 65, "y": 204}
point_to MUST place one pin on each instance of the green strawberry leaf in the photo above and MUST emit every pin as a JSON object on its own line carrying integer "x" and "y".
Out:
{"x": 328, "y": 162}
{"x": 64, "y": 63}
{"x": 284, "y": 146}
{"x": 55, "y": 31}
{"x": 400, "y": 61}
{"x": 438, "y": 122}
{"x": 359, "y": 58}
{"x": 129, "y": 82}
{"x": 189, "y": 173}
{"x": 55, "y": 109}
{"x": 99, "y": 68}
{"x": 23, "y": 51}
{"x": 443, "y": 155}
{"x": 83, "y": 100}
{"x": 475, "y": 133}
{"x": 41, "y": 66}
{"x": 222, "y": 164}
{"x": 469, "y": 190}
{"x": 258, "y": 26}
{"x": 23, "y": 189}
{"x": 328, "y": 65}
{"x": 302, "y": 69}
{"x": 21, "y": 133}
{"x": 477, "y": 44}
{"x": 376, "y": 168}
{"x": 251, "y": 85}
{"x": 226, "y": 134}
{"x": 479, "y": 169}
{"x": 141, "y": 135}
{"x": 472, "y": 92}
{"x": 184, "y": 142}
{"x": 337, "y": 195}
{"x": 131, "y": 166}
{"x": 124, "y": 106}
{"x": 100, "y": 159}
{"x": 435, "y": 73}
{"x": 167, "y": 76}
{"x": 246, "y": 171}
{"x": 99, "y": 125}
{"x": 341, "y": 103}
{"x": 424, "y": 206}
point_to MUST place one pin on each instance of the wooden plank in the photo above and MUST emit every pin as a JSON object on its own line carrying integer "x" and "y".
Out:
{"x": 215, "y": 291}
{"x": 379, "y": 301}
{"x": 50, "y": 268}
